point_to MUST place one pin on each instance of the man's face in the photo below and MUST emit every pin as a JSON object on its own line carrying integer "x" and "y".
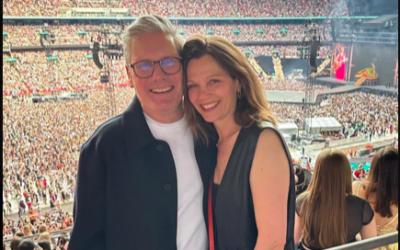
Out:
{"x": 160, "y": 94}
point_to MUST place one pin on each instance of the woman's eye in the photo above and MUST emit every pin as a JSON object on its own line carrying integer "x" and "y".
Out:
{"x": 191, "y": 86}
{"x": 214, "y": 81}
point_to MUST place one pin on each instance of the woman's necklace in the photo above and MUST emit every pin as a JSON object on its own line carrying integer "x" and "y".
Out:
{"x": 220, "y": 142}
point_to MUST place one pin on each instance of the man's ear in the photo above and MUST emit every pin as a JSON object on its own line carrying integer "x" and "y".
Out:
{"x": 127, "y": 71}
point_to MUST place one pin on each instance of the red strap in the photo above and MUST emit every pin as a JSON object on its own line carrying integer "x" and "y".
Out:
{"x": 210, "y": 218}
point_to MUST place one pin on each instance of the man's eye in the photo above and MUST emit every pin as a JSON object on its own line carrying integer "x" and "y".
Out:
{"x": 168, "y": 62}
{"x": 143, "y": 66}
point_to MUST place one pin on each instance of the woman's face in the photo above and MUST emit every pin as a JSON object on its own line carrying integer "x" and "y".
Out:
{"x": 212, "y": 91}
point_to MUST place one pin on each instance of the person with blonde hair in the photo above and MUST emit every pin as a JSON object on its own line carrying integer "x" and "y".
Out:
{"x": 44, "y": 236}
{"x": 380, "y": 188}
{"x": 328, "y": 214}
{"x": 223, "y": 100}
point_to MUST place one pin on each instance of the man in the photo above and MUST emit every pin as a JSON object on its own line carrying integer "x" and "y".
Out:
{"x": 140, "y": 176}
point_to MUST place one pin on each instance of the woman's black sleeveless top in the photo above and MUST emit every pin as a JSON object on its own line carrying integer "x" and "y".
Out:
{"x": 234, "y": 211}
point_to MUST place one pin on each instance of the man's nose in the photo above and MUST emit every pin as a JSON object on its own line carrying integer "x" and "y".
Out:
{"x": 158, "y": 72}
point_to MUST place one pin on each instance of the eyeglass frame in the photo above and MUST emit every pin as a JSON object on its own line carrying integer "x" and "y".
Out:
{"x": 154, "y": 68}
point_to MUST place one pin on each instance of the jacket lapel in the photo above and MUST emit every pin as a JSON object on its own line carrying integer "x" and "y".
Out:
{"x": 135, "y": 129}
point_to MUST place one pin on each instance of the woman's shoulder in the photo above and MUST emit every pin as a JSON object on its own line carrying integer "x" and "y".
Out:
{"x": 353, "y": 199}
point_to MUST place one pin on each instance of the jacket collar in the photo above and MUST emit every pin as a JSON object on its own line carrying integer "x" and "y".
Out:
{"x": 136, "y": 132}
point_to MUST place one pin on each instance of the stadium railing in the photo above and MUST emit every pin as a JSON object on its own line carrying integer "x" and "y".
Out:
{"x": 367, "y": 244}
{"x": 371, "y": 243}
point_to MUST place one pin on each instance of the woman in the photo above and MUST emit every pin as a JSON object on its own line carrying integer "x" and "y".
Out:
{"x": 327, "y": 214}
{"x": 223, "y": 94}
{"x": 381, "y": 190}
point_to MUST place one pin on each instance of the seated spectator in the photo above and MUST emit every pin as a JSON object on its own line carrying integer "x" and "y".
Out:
{"x": 44, "y": 236}
{"x": 327, "y": 214}
{"x": 62, "y": 243}
{"x": 15, "y": 242}
{"x": 27, "y": 244}
{"x": 42, "y": 228}
{"x": 381, "y": 190}
{"x": 44, "y": 244}
{"x": 27, "y": 230}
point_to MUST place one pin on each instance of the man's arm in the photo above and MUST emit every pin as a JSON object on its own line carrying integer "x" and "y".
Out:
{"x": 90, "y": 201}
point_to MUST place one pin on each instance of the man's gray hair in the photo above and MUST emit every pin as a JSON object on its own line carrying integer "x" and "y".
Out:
{"x": 147, "y": 24}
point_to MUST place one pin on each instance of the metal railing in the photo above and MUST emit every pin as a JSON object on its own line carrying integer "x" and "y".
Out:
{"x": 370, "y": 243}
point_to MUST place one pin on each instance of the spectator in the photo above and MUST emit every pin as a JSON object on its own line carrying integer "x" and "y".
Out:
{"x": 44, "y": 244}
{"x": 15, "y": 242}
{"x": 27, "y": 244}
{"x": 27, "y": 230}
{"x": 380, "y": 188}
{"x": 42, "y": 229}
{"x": 327, "y": 214}
{"x": 44, "y": 236}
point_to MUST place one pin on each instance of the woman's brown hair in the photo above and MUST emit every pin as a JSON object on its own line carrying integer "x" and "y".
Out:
{"x": 323, "y": 213}
{"x": 253, "y": 106}
{"x": 383, "y": 180}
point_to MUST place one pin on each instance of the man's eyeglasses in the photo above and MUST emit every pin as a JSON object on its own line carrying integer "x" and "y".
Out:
{"x": 145, "y": 69}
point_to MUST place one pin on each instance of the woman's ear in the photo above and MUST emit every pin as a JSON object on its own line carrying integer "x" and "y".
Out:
{"x": 238, "y": 86}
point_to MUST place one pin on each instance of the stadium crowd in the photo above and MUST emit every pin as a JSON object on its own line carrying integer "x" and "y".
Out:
{"x": 28, "y": 35}
{"x": 73, "y": 70}
{"x": 49, "y": 221}
{"x": 41, "y": 149}
{"x": 289, "y": 85}
{"x": 369, "y": 113}
{"x": 185, "y": 8}
{"x": 41, "y": 145}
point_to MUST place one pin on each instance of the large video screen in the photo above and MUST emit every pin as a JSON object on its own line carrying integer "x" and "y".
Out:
{"x": 366, "y": 57}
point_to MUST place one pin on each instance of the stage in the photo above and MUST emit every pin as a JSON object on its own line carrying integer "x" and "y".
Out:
{"x": 330, "y": 80}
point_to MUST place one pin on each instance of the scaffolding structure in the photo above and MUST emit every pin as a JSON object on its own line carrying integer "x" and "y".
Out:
{"x": 104, "y": 52}
{"x": 46, "y": 39}
{"x": 310, "y": 38}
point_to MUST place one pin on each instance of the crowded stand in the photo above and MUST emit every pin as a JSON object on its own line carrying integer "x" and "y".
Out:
{"x": 372, "y": 114}
{"x": 40, "y": 149}
{"x": 289, "y": 85}
{"x": 185, "y": 8}
{"x": 32, "y": 72}
{"x": 49, "y": 221}
{"x": 27, "y": 35}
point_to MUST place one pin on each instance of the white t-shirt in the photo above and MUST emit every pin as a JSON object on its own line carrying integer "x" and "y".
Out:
{"x": 191, "y": 232}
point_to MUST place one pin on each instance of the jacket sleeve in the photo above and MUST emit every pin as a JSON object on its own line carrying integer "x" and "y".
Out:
{"x": 89, "y": 209}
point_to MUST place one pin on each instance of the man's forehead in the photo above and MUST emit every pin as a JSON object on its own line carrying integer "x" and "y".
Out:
{"x": 152, "y": 46}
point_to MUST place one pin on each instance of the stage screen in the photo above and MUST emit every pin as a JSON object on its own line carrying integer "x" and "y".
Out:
{"x": 383, "y": 57}
{"x": 289, "y": 65}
